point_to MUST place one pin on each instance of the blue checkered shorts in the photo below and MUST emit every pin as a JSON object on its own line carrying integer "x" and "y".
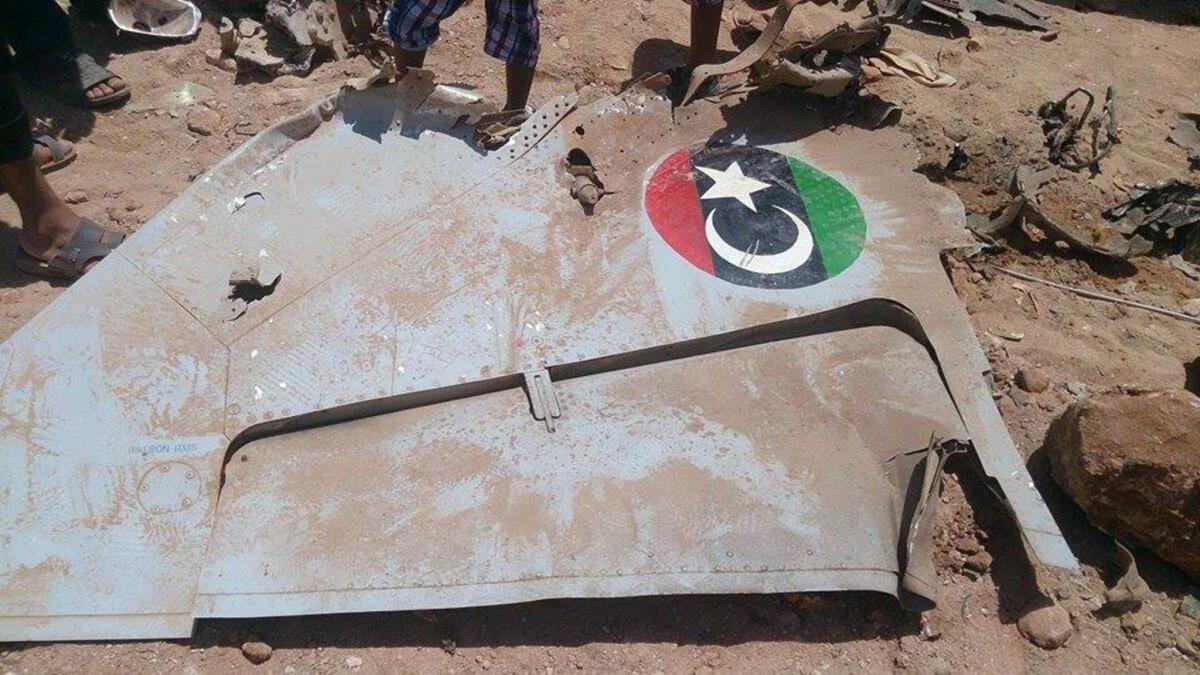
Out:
{"x": 512, "y": 27}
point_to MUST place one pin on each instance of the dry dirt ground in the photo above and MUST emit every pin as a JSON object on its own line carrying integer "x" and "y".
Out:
{"x": 132, "y": 163}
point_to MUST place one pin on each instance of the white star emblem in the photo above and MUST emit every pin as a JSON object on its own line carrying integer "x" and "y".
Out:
{"x": 732, "y": 183}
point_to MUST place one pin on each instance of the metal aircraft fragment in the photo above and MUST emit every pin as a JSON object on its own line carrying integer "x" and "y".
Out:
{"x": 741, "y": 373}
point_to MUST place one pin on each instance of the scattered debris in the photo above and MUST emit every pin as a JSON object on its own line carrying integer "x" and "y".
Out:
{"x": 157, "y": 19}
{"x": 354, "y": 662}
{"x": 826, "y": 65}
{"x": 288, "y": 41}
{"x": 1186, "y": 134}
{"x": 959, "y": 159}
{"x": 257, "y": 652}
{"x": 1162, "y": 217}
{"x": 1061, "y": 127}
{"x": 902, "y": 62}
{"x": 1130, "y": 590}
{"x": 1159, "y": 219}
{"x": 1130, "y": 463}
{"x": 494, "y": 129}
{"x": 1012, "y": 12}
{"x": 1190, "y": 270}
{"x": 1096, "y": 295}
{"x": 1045, "y": 624}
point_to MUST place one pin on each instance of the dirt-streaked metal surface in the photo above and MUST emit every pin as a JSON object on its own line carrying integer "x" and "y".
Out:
{"x": 418, "y": 272}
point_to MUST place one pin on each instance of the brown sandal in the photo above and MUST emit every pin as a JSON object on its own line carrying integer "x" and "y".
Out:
{"x": 90, "y": 243}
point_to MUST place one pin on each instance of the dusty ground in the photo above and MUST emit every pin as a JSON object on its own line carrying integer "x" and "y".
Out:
{"x": 132, "y": 163}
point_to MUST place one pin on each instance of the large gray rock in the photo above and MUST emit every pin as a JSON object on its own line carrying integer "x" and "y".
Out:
{"x": 1132, "y": 463}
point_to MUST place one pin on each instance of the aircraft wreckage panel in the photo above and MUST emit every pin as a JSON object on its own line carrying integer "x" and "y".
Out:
{"x": 764, "y": 469}
{"x": 110, "y": 452}
{"x": 416, "y": 270}
{"x": 512, "y": 275}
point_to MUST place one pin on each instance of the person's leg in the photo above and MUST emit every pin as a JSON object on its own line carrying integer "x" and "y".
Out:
{"x": 413, "y": 26}
{"x": 46, "y": 222}
{"x": 39, "y": 32}
{"x": 514, "y": 36}
{"x": 706, "y": 26}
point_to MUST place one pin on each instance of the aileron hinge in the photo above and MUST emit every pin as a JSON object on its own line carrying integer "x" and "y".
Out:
{"x": 543, "y": 402}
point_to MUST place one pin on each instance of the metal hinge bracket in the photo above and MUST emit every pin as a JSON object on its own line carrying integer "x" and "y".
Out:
{"x": 543, "y": 402}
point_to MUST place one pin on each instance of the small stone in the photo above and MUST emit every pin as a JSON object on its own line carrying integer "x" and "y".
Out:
{"x": 974, "y": 45}
{"x": 353, "y": 662}
{"x": 563, "y": 43}
{"x": 1077, "y": 388}
{"x": 1033, "y": 381}
{"x": 931, "y": 628}
{"x": 203, "y": 121}
{"x": 957, "y": 130}
{"x": 967, "y": 545}
{"x": 214, "y": 57}
{"x": 76, "y": 197}
{"x": 1046, "y": 624}
{"x": 940, "y": 666}
{"x": 1049, "y": 36}
{"x": 980, "y": 562}
{"x": 1133, "y": 623}
{"x": 1190, "y": 607}
{"x": 1018, "y": 396}
{"x": 1192, "y": 307}
{"x": 256, "y": 652}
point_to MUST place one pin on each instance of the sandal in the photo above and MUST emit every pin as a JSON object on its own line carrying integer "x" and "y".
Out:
{"x": 58, "y": 156}
{"x": 70, "y": 77}
{"x": 90, "y": 243}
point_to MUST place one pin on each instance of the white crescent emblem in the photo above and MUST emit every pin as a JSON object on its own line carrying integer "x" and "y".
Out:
{"x": 775, "y": 263}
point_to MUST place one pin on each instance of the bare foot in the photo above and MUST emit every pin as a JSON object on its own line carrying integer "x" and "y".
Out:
{"x": 51, "y": 229}
{"x": 42, "y": 155}
{"x": 106, "y": 88}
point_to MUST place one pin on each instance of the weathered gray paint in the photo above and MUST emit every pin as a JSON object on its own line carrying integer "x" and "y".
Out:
{"x": 417, "y": 270}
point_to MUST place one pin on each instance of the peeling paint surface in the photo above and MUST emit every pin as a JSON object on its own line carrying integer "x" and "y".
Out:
{"x": 409, "y": 315}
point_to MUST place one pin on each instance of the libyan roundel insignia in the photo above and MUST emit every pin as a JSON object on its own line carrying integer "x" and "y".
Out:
{"x": 755, "y": 217}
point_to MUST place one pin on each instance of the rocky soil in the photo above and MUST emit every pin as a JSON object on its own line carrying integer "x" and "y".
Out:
{"x": 133, "y": 160}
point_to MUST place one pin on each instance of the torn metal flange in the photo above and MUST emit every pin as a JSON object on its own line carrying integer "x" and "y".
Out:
{"x": 1061, "y": 129}
{"x": 1012, "y": 12}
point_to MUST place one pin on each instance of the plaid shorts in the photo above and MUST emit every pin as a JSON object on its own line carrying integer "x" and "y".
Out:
{"x": 512, "y": 27}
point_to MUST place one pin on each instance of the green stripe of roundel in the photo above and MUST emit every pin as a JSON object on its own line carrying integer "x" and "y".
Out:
{"x": 836, "y": 221}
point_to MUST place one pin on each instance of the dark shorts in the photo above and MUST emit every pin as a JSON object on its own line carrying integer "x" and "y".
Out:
{"x": 512, "y": 27}
{"x": 16, "y": 140}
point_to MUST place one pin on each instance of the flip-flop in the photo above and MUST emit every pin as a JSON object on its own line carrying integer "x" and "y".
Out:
{"x": 90, "y": 243}
{"x": 58, "y": 156}
{"x": 69, "y": 77}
